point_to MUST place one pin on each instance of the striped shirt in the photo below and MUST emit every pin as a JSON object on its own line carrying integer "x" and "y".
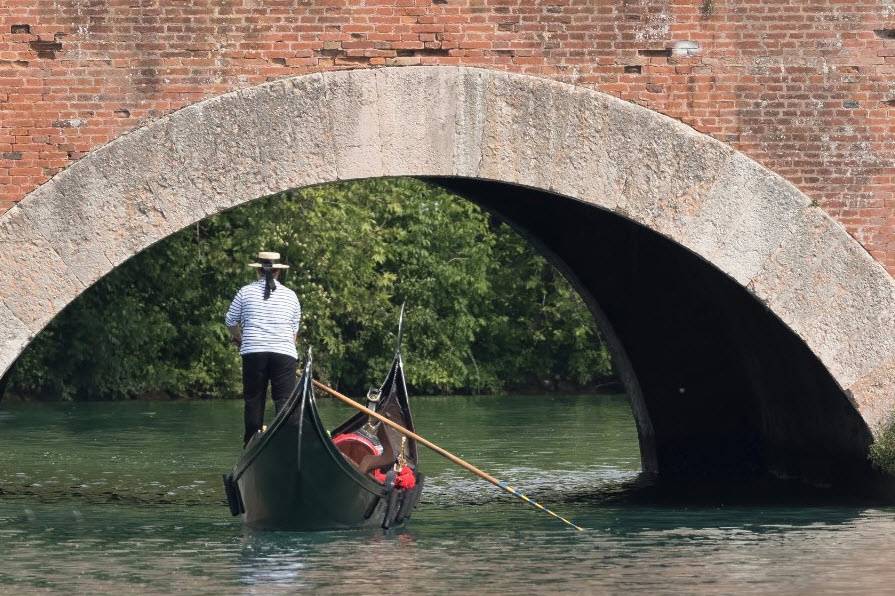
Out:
{"x": 267, "y": 325}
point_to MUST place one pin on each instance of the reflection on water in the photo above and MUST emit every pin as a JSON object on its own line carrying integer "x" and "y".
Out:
{"x": 108, "y": 497}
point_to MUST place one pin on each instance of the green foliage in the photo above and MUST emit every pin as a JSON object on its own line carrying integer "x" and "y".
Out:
{"x": 882, "y": 452}
{"x": 484, "y": 312}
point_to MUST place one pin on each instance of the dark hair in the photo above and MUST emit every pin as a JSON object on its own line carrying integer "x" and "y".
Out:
{"x": 270, "y": 274}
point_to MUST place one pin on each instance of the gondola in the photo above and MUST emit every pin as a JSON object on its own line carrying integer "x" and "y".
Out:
{"x": 297, "y": 476}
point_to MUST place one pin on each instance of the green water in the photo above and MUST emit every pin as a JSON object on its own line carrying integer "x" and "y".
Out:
{"x": 115, "y": 497}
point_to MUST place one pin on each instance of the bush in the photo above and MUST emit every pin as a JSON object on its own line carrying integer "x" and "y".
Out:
{"x": 882, "y": 452}
{"x": 484, "y": 311}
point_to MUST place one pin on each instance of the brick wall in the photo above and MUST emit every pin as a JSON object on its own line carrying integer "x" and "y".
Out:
{"x": 806, "y": 88}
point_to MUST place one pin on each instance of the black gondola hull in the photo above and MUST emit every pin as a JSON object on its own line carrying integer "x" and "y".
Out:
{"x": 315, "y": 493}
{"x": 293, "y": 477}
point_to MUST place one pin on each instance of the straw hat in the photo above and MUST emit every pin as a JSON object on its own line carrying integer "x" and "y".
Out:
{"x": 268, "y": 258}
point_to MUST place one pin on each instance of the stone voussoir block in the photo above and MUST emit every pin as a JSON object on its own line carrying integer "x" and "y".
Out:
{"x": 35, "y": 283}
{"x": 743, "y": 218}
{"x": 352, "y": 100}
{"x": 824, "y": 286}
{"x": 14, "y": 336}
{"x": 61, "y": 213}
{"x": 516, "y": 133}
{"x": 660, "y": 170}
{"x": 469, "y": 125}
{"x": 873, "y": 395}
{"x": 417, "y": 120}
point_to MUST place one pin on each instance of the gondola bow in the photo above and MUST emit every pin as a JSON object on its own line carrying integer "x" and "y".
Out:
{"x": 298, "y": 476}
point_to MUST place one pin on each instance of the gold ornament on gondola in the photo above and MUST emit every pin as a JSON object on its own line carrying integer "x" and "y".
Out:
{"x": 402, "y": 455}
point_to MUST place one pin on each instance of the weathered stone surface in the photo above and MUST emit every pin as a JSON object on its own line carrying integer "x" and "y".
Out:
{"x": 218, "y": 144}
{"x": 352, "y": 100}
{"x": 610, "y": 153}
{"x": 203, "y": 159}
{"x": 470, "y": 119}
{"x": 746, "y": 221}
{"x": 742, "y": 219}
{"x": 660, "y": 169}
{"x": 873, "y": 394}
{"x": 69, "y": 225}
{"x": 547, "y": 136}
{"x": 577, "y": 166}
{"x": 255, "y": 142}
{"x": 100, "y": 217}
{"x": 517, "y": 137}
{"x": 878, "y": 331}
{"x": 14, "y": 336}
{"x": 35, "y": 283}
{"x": 294, "y": 142}
{"x": 826, "y": 288}
{"x": 298, "y": 145}
{"x": 417, "y": 120}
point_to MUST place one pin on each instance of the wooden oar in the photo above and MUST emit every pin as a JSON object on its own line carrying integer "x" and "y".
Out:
{"x": 442, "y": 452}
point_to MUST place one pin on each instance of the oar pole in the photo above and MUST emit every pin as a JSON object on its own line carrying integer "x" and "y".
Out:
{"x": 442, "y": 452}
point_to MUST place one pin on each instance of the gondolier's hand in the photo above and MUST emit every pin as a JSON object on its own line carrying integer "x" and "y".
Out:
{"x": 235, "y": 335}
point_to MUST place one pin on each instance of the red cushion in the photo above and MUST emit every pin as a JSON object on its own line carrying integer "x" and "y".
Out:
{"x": 354, "y": 439}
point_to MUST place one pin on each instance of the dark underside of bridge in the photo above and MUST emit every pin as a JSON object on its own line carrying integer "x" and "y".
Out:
{"x": 729, "y": 393}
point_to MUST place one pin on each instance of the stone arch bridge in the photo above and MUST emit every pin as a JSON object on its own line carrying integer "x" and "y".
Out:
{"x": 753, "y": 332}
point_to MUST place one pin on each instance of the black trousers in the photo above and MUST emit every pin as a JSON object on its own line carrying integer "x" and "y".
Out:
{"x": 259, "y": 369}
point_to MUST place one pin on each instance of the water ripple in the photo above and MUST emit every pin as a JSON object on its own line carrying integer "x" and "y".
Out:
{"x": 115, "y": 498}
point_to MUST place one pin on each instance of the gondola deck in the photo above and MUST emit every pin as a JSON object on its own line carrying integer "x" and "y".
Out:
{"x": 293, "y": 476}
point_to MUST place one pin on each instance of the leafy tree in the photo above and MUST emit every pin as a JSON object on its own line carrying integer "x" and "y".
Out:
{"x": 484, "y": 312}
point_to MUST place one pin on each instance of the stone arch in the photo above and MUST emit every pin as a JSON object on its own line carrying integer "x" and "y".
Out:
{"x": 456, "y": 123}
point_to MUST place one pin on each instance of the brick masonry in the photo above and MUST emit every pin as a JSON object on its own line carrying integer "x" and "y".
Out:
{"x": 805, "y": 88}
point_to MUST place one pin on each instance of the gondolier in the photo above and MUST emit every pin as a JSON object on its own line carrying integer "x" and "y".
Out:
{"x": 263, "y": 320}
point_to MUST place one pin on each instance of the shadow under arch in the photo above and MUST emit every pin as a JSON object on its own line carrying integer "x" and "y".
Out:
{"x": 721, "y": 389}
{"x": 682, "y": 193}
